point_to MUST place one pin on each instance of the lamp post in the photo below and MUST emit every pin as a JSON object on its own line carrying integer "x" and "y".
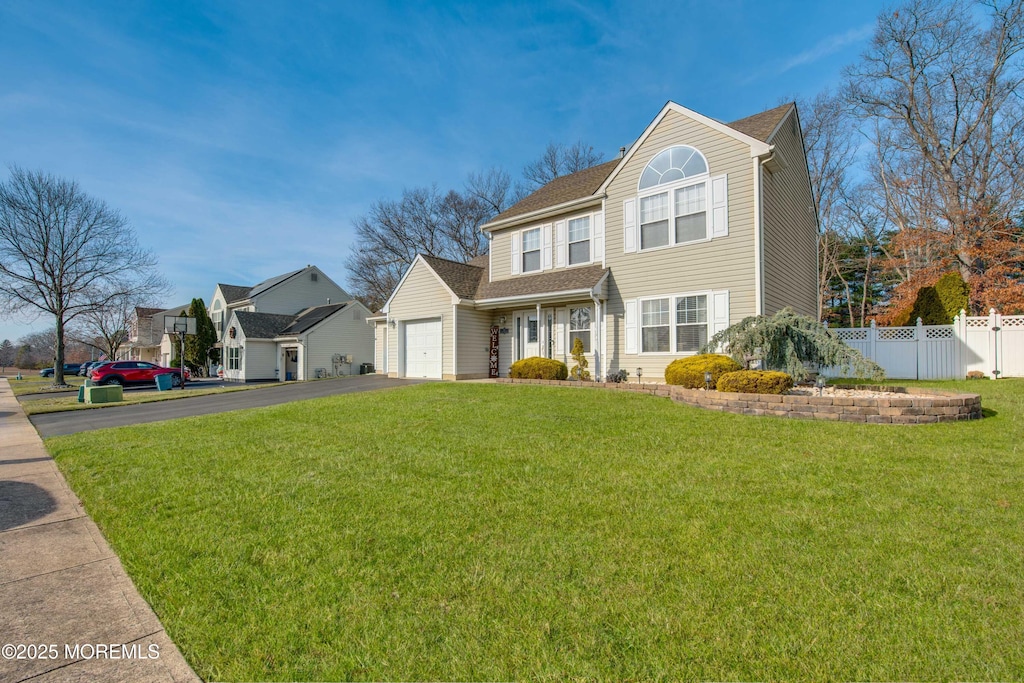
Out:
{"x": 707, "y": 381}
{"x": 639, "y": 374}
{"x": 820, "y": 383}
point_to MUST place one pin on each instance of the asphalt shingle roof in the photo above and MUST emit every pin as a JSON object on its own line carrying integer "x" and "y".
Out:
{"x": 556, "y": 281}
{"x": 262, "y": 325}
{"x": 311, "y": 316}
{"x": 760, "y": 126}
{"x": 233, "y": 293}
{"x": 462, "y": 278}
{"x": 562, "y": 189}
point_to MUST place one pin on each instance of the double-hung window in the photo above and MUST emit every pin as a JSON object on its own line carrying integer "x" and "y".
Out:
{"x": 674, "y": 324}
{"x": 579, "y": 240}
{"x": 691, "y": 323}
{"x": 531, "y": 250}
{"x": 654, "y": 324}
{"x": 674, "y": 199}
{"x": 234, "y": 357}
{"x": 579, "y": 327}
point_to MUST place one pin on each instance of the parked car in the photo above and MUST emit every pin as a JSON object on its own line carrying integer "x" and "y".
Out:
{"x": 129, "y": 372}
{"x": 69, "y": 369}
{"x": 89, "y": 367}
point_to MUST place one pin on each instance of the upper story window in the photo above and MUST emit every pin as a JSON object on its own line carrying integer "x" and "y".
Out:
{"x": 531, "y": 250}
{"x": 675, "y": 163}
{"x": 673, "y": 198}
{"x": 579, "y": 240}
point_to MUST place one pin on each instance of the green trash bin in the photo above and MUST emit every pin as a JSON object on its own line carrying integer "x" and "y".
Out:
{"x": 164, "y": 382}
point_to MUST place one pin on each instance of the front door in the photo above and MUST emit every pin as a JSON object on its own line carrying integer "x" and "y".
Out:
{"x": 291, "y": 364}
{"x": 528, "y": 330}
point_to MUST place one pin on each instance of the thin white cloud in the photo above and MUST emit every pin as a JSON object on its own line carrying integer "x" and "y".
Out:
{"x": 827, "y": 46}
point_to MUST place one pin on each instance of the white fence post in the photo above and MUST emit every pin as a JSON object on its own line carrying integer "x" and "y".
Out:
{"x": 919, "y": 345}
{"x": 872, "y": 337}
{"x": 993, "y": 343}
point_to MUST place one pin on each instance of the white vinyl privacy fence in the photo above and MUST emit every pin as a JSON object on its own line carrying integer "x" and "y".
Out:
{"x": 992, "y": 344}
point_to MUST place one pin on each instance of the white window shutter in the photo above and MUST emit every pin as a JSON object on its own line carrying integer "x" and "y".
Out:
{"x": 560, "y": 244}
{"x": 545, "y": 248}
{"x": 560, "y": 318}
{"x": 516, "y": 260}
{"x": 598, "y": 246}
{"x": 719, "y": 206}
{"x": 631, "y": 327}
{"x": 719, "y": 311}
{"x": 629, "y": 225}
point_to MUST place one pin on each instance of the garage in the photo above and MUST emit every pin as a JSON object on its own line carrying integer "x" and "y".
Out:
{"x": 423, "y": 349}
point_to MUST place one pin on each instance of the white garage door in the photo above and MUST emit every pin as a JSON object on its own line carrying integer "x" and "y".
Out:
{"x": 423, "y": 349}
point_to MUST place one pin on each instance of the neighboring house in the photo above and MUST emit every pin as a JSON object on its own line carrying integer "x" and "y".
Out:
{"x": 300, "y": 325}
{"x": 696, "y": 226}
{"x": 147, "y": 340}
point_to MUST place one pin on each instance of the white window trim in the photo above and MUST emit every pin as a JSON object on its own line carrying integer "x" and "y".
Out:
{"x": 569, "y": 330}
{"x": 592, "y": 218}
{"x": 671, "y": 190}
{"x": 521, "y": 236}
{"x": 672, "y": 302}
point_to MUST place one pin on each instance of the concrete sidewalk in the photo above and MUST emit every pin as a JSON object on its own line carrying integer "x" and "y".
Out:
{"x": 60, "y": 583}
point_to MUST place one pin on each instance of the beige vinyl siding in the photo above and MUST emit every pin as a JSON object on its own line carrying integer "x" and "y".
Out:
{"x": 300, "y": 292}
{"x": 501, "y": 255}
{"x": 474, "y": 328}
{"x": 345, "y": 333}
{"x": 420, "y": 297}
{"x": 725, "y": 263}
{"x": 505, "y": 347}
{"x": 218, "y": 304}
{"x": 790, "y": 229}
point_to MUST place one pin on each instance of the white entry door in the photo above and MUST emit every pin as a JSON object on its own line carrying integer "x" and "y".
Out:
{"x": 423, "y": 349}
{"x": 528, "y": 330}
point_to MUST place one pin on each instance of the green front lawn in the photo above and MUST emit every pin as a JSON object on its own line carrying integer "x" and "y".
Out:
{"x": 479, "y": 531}
{"x": 63, "y": 403}
{"x": 31, "y": 384}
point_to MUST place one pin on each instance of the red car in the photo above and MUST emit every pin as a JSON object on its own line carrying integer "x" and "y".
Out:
{"x": 127, "y": 372}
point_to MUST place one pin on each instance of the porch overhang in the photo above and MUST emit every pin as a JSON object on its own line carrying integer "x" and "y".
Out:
{"x": 599, "y": 291}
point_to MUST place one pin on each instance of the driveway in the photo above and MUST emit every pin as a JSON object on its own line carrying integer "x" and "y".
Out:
{"x": 72, "y": 422}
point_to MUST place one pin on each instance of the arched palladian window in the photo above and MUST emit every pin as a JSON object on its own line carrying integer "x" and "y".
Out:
{"x": 678, "y": 202}
{"x": 673, "y": 164}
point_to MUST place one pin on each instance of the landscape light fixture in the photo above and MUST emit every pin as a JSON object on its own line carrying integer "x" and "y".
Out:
{"x": 639, "y": 374}
{"x": 707, "y": 381}
{"x": 820, "y": 383}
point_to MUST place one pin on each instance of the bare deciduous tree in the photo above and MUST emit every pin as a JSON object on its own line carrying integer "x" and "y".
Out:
{"x": 558, "y": 160}
{"x": 64, "y": 253}
{"x": 106, "y": 329}
{"x": 941, "y": 95}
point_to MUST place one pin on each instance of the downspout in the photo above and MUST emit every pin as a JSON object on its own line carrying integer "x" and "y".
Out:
{"x": 540, "y": 345}
{"x": 455, "y": 343}
{"x": 599, "y": 333}
{"x": 758, "y": 239}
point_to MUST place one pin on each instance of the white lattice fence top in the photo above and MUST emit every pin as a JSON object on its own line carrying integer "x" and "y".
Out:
{"x": 1013, "y": 321}
{"x": 852, "y": 334}
{"x": 977, "y": 322}
{"x": 896, "y": 333}
{"x": 943, "y": 332}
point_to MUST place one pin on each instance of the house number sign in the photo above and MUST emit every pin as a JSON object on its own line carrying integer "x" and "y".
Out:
{"x": 493, "y": 355}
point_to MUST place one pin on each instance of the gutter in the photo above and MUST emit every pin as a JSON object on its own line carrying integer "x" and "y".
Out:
{"x": 540, "y": 213}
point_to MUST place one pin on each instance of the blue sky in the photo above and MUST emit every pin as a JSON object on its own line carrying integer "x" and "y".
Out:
{"x": 242, "y": 139}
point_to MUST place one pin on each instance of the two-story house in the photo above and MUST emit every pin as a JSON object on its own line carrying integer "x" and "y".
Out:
{"x": 296, "y": 326}
{"x": 147, "y": 340}
{"x": 696, "y": 226}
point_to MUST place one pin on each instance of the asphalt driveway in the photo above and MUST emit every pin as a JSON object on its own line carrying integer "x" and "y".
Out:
{"x": 72, "y": 422}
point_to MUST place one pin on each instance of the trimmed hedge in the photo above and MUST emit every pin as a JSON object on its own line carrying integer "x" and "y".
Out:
{"x": 689, "y": 372}
{"x": 539, "y": 368}
{"x": 755, "y": 382}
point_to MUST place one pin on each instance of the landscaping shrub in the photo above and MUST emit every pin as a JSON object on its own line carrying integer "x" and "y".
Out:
{"x": 689, "y": 372}
{"x": 539, "y": 368}
{"x": 755, "y": 382}
{"x": 617, "y": 377}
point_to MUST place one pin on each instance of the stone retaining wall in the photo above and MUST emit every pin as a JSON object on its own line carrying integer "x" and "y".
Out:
{"x": 906, "y": 405}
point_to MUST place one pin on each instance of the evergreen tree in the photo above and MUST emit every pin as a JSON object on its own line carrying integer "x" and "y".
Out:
{"x": 6, "y": 354}
{"x": 197, "y": 345}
